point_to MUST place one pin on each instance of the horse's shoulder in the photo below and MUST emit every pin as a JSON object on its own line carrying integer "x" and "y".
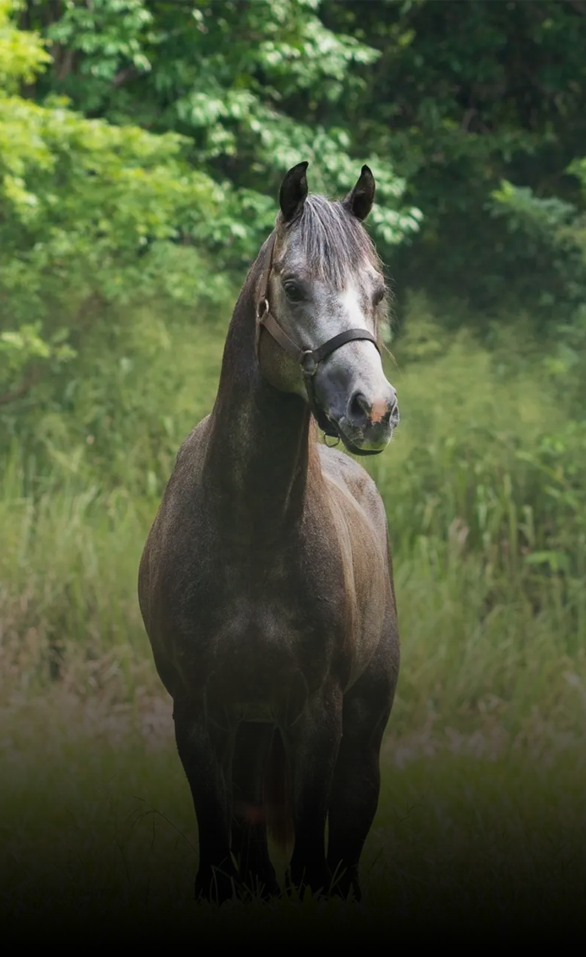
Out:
{"x": 341, "y": 466}
{"x": 181, "y": 489}
{"x": 345, "y": 471}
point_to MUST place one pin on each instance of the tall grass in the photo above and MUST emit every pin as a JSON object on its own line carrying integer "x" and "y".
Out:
{"x": 457, "y": 844}
{"x": 485, "y": 498}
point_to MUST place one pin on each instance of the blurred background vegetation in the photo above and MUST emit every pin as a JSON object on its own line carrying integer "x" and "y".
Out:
{"x": 142, "y": 144}
{"x": 141, "y": 149}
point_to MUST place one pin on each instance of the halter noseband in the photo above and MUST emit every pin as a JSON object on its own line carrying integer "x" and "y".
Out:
{"x": 308, "y": 359}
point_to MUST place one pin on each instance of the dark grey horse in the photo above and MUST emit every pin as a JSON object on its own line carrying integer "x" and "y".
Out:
{"x": 266, "y": 582}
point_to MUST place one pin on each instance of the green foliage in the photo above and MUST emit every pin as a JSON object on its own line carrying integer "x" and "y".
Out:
{"x": 490, "y": 463}
{"x": 93, "y": 216}
{"x": 550, "y": 239}
{"x": 139, "y": 167}
{"x": 483, "y": 489}
{"x": 100, "y": 215}
{"x": 22, "y": 54}
{"x": 141, "y": 147}
{"x": 255, "y": 86}
{"x": 465, "y": 95}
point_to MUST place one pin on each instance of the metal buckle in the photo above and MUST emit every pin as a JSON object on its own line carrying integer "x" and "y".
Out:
{"x": 308, "y": 370}
{"x": 263, "y": 308}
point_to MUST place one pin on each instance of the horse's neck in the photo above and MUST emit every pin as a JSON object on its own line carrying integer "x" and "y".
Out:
{"x": 258, "y": 450}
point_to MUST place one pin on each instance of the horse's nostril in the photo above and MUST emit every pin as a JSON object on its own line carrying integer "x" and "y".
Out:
{"x": 359, "y": 408}
{"x": 381, "y": 412}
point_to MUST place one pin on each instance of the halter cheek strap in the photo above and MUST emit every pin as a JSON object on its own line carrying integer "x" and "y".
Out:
{"x": 308, "y": 359}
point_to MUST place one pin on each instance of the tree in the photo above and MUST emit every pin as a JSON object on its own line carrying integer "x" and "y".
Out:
{"x": 141, "y": 150}
{"x": 89, "y": 214}
{"x": 257, "y": 87}
{"x": 467, "y": 94}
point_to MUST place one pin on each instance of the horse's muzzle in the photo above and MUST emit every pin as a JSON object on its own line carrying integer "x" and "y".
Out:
{"x": 368, "y": 424}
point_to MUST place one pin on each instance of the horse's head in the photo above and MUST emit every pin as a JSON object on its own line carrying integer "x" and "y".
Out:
{"x": 323, "y": 288}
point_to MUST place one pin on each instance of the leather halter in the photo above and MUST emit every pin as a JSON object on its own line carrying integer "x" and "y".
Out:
{"x": 308, "y": 359}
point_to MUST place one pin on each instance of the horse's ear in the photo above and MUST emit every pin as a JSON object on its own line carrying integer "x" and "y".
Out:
{"x": 359, "y": 201}
{"x": 293, "y": 192}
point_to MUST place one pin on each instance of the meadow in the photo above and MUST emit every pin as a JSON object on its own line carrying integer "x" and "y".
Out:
{"x": 481, "y": 819}
{"x": 142, "y": 148}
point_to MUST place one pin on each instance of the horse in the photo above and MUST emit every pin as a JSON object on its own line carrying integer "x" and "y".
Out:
{"x": 266, "y": 582}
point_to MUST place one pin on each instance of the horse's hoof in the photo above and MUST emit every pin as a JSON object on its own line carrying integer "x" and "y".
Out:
{"x": 345, "y": 883}
{"x": 346, "y": 889}
{"x": 317, "y": 879}
{"x": 216, "y": 886}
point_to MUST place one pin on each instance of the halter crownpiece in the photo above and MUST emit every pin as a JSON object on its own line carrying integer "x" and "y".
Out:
{"x": 308, "y": 359}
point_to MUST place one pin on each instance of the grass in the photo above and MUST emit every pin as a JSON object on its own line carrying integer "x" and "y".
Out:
{"x": 474, "y": 653}
{"x": 486, "y": 514}
{"x": 481, "y": 814}
{"x": 98, "y": 831}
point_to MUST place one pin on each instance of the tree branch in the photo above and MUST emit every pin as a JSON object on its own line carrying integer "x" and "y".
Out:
{"x": 469, "y": 115}
{"x": 578, "y": 5}
{"x": 25, "y": 386}
{"x": 129, "y": 73}
{"x": 64, "y": 60}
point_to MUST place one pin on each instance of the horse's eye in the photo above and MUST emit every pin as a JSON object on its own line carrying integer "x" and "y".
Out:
{"x": 293, "y": 290}
{"x": 379, "y": 295}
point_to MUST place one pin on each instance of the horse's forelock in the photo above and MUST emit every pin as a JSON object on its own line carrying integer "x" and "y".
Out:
{"x": 332, "y": 240}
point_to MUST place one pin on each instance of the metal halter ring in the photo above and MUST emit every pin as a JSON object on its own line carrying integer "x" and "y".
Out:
{"x": 263, "y": 308}
{"x": 308, "y": 363}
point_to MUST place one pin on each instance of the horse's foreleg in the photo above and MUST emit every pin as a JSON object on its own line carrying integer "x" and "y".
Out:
{"x": 206, "y": 753}
{"x": 313, "y": 744}
{"x": 356, "y": 786}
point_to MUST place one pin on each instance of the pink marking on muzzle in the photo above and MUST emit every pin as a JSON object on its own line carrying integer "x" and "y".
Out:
{"x": 379, "y": 409}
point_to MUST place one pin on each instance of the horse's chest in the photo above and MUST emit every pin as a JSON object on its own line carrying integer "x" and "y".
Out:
{"x": 263, "y": 633}
{"x": 266, "y": 611}
{"x": 278, "y": 596}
